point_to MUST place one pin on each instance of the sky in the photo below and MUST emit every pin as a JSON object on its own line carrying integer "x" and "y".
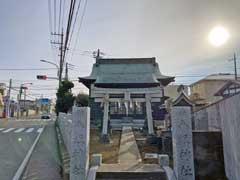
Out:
{"x": 175, "y": 32}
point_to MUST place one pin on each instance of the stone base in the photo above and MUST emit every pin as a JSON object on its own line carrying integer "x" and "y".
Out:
{"x": 105, "y": 138}
{"x": 152, "y": 139}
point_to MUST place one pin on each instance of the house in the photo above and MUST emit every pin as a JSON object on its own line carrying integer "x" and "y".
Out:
{"x": 172, "y": 90}
{"x": 229, "y": 89}
{"x": 203, "y": 91}
{"x": 2, "y": 89}
{"x": 127, "y": 91}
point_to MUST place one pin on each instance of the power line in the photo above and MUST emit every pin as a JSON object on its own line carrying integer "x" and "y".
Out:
{"x": 54, "y": 20}
{"x": 63, "y": 12}
{"x": 74, "y": 23}
{"x": 60, "y": 15}
{"x": 50, "y": 16}
{"x": 26, "y": 69}
{"x": 69, "y": 24}
{"x": 80, "y": 27}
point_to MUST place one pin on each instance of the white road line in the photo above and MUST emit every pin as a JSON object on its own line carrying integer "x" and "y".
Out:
{"x": 29, "y": 130}
{"x": 40, "y": 130}
{"x": 19, "y": 130}
{"x": 2, "y": 129}
{"x": 8, "y": 130}
{"x": 23, "y": 165}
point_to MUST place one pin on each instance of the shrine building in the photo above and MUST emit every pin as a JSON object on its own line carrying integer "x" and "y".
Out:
{"x": 126, "y": 92}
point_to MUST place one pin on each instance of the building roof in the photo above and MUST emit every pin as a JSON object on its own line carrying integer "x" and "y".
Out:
{"x": 217, "y": 77}
{"x": 129, "y": 72}
{"x": 226, "y": 86}
{"x": 183, "y": 100}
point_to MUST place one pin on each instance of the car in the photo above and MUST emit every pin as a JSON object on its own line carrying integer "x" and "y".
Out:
{"x": 45, "y": 116}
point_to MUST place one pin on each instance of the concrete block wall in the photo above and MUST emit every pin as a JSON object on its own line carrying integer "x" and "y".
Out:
{"x": 224, "y": 116}
{"x": 208, "y": 118}
{"x": 230, "y": 119}
{"x": 65, "y": 124}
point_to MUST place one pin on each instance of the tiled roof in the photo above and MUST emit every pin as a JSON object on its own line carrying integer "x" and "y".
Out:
{"x": 126, "y": 71}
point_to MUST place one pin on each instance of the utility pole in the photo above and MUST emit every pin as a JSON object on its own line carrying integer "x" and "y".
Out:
{"x": 66, "y": 72}
{"x": 25, "y": 94}
{"x": 19, "y": 99}
{"x": 9, "y": 99}
{"x": 235, "y": 65}
{"x": 61, "y": 61}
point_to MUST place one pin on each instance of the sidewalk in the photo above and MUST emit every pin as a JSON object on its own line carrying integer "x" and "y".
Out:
{"x": 44, "y": 163}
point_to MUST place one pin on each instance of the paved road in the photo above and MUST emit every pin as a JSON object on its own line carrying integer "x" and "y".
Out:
{"x": 16, "y": 138}
{"x": 44, "y": 163}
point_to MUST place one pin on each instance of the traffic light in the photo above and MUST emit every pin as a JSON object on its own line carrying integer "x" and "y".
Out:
{"x": 42, "y": 77}
{"x": 24, "y": 87}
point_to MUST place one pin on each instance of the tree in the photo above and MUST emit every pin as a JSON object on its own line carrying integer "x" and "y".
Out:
{"x": 65, "y": 98}
{"x": 82, "y": 100}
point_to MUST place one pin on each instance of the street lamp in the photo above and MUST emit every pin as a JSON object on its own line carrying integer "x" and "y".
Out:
{"x": 49, "y": 62}
{"x": 58, "y": 69}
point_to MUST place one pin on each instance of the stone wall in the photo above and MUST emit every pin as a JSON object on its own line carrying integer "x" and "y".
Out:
{"x": 208, "y": 118}
{"x": 65, "y": 125}
{"x": 208, "y": 153}
{"x": 75, "y": 132}
{"x": 230, "y": 118}
{"x": 224, "y": 116}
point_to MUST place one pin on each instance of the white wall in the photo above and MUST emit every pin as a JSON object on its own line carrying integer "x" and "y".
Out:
{"x": 230, "y": 117}
{"x": 224, "y": 115}
{"x": 208, "y": 118}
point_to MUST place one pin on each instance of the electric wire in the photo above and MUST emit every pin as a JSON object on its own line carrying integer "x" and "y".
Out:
{"x": 80, "y": 27}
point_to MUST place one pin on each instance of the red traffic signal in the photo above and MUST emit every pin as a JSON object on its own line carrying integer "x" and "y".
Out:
{"x": 42, "y": 77}
{"x": 24, "y": 87}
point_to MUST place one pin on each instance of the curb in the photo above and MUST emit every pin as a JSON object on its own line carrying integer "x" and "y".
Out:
{"x": 62, "y": 154}
{"x": 24, "y": 163}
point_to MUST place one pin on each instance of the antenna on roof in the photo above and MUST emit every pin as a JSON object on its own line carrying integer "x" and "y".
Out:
{"x": 98, "y": 54}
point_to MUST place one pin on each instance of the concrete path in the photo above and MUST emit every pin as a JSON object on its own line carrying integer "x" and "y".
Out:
{"x": 128, "y": 152}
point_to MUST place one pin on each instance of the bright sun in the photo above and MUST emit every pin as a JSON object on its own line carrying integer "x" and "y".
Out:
{"x": 218, "y": 36}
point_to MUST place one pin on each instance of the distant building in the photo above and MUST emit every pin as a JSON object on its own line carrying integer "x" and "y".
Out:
{"x": 229, "y": 89}
{"x": 204, "y": 90}
{"x": 173, "y": 90}
{"x": 126, "y": 92}
{"x": 2, "y": 90}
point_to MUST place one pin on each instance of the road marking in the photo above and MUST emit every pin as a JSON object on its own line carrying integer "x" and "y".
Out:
{"x": 19, "y": 130}
{"x": 40, "y": 130}
{"x": 2, "y": 129}
{"x": 23, "y": 165}
{"x": 29, "y": 130}
{"x": 8, "y": 130}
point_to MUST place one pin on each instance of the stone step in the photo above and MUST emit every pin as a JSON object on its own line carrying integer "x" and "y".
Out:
{"x": 131, "y": 176}
{"x": 135, "y": 126}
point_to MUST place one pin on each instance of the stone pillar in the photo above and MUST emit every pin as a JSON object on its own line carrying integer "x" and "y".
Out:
{"x": 182, "y": 142}
{"x": 163, "y": 160}
{"x": 96, "y": 160}
{"x": 79, "y": 157}
{"x": 105, "y": 115}
{"x": 149, "y": 114}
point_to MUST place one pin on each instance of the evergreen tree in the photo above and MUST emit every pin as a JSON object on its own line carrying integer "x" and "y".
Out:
{"x": 82, "y": 100}
{"x": 65, "y": 98}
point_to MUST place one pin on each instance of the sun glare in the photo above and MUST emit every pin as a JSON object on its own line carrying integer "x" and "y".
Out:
{"x": 218, "y": 36}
